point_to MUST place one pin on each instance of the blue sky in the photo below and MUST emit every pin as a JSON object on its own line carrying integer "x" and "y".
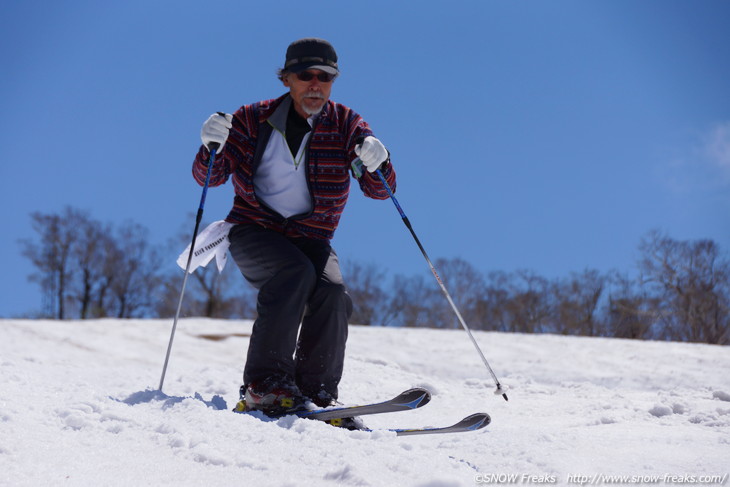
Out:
{"x": 542, "y": 135}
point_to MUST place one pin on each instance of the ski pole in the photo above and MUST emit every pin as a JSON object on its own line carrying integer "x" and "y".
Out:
{"x": 213, "y": 148}
{"x": 500, "y": 390}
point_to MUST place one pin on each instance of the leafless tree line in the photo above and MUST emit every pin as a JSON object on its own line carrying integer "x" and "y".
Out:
{"x": 680, "y": 290}
{"x": 89, "y": 269}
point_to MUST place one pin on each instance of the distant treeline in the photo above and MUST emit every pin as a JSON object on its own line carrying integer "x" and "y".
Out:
{"x": 679, "y": 290}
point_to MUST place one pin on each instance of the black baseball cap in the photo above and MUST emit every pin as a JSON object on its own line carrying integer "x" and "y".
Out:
{"x": 311, "y": 53}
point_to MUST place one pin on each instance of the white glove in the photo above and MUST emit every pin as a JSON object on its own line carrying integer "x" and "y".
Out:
{"x": 216, "y": 130}
{"x": 372, "y": 153}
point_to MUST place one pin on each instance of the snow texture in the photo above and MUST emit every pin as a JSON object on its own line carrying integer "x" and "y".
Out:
{"x": 78, "y": 406}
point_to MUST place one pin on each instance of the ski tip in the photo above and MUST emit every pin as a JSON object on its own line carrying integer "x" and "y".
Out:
{"x": 414, "y": 398}
{"x": 505, "y": 397}
{"x": 475, "y": 421}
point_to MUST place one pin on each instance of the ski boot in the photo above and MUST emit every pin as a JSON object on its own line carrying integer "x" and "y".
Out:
{"x": 352, "y": 424}
{"x": 323, "y": 399}
{"x": 272, "y": 397}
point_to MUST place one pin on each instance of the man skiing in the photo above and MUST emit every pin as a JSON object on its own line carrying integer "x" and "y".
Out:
{"x": 290, "y": 162}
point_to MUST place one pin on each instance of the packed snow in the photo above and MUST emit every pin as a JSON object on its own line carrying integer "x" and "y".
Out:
{"x": 78, "y": 407}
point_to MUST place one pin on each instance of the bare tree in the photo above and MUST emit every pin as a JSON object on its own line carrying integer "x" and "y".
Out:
{"x": 411, "y": 300}
{"x": 222, "y": 294}
{"x": 85, "y": 271}
{"x": 577, "y": 303}
{"x": 529, "y": 307}
{"x": 135, "y": 273}
{"x": 628, "y": 311}
{"x": 495, "y": 300}
{"x": 466, "y": 286}
{"x": 690, "y": 283}
{"x": 211, "y": 283}
{"x": 91, "y": 256}
{"x": 167, "y": 302}
{"x": 52, "y": 258}
{"x": 208, "y": 292}
{"x": 370, "y": 300}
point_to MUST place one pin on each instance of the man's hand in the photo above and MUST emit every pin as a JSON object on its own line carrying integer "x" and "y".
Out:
{"x": 372, "y": 153}
{"x": 216, "y": 130}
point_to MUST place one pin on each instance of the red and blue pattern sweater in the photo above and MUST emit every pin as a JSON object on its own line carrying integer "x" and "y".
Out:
{"x": 330, "y": 151}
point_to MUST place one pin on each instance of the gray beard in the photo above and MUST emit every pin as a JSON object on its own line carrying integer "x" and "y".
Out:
{"x": 314, "y": 111}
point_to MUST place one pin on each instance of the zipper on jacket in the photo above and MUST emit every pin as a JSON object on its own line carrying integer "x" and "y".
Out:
{"x": 293, "y": 156}
{"x": 305, "y": 154}
{"x": 285, "y": 220}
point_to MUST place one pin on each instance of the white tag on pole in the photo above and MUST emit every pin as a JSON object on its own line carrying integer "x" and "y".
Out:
{"x": 211, "y": 242}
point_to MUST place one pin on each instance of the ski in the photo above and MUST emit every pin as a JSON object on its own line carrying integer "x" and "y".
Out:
{"x": 405, "y": 401}
{"x": 470, "y": 423}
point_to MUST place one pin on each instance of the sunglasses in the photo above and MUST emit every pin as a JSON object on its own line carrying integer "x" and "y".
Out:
{"x": 309, "y": 76}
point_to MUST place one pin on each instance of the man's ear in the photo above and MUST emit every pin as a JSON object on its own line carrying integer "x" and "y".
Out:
{"x": 285, "y": 79}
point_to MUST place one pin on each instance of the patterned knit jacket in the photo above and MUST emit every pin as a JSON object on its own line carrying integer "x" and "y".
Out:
{"x": 327, "y": 161}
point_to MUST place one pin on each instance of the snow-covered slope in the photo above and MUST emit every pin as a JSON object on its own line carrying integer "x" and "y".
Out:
{"x": 74, "y": 411}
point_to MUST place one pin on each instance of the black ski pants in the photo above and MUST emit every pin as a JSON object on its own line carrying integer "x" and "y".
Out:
{"x": 303, "y": 309}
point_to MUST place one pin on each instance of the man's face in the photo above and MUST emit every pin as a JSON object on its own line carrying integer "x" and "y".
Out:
{"x": 311, "y": 95}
